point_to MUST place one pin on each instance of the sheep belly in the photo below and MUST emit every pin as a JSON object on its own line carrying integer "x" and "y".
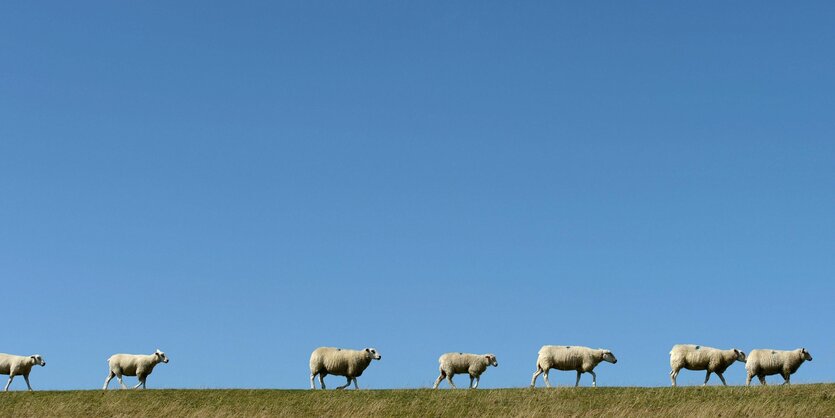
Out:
{"x": 567, "y": 361}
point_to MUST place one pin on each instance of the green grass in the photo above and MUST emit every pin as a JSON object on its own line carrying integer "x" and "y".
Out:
{"x": 798, "y": 400}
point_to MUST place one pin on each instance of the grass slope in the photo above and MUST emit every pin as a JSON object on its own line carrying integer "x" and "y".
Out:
{"x": 798, "y": 400}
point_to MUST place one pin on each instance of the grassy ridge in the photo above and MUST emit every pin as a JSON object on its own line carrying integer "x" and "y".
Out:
{"x": 798, "y": 400}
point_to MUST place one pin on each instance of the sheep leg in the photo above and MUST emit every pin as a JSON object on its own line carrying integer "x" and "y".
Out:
{"x": 577, "y": 383}
{"x": 477, "y": 380}
{"x": 762, "y": 379}
{"x": 11, "y": 376}
{"x": 438, "y": 380}
{"x": 674, "y": 375}
{"x": 707, "y": 377}
{"x": 312, "y": 379}
{"x": 346, "y": 384}
{"x": 545, "y": 376}
{"x": 322, "y": 379}
{"x": 141, "y": 381}
{"x": 535, "y": 375}
{"x": 119, "y": 377}
{"x": 26, "y": 378}
{"x": 593, "y": 378}
{"x": 722, "y": 378}
{"x": 107, "y": 381}
{"x": 449, "y": 379}
{"x": 356, "y": 386}
{"x": 748, "y": 379}
{"x": 471, "y": 381}
{"x": 787, "y": 378}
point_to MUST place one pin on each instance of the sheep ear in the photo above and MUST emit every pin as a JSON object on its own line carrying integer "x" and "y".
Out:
{"x": 368, "y": 350}
{"x": 736, "y": 351}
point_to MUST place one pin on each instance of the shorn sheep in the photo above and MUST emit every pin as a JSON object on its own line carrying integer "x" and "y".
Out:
{"x": 460, "y": 363}
{"x": 566, "y": 357}
{"x": 340, "y": 362}
{"x": 139, "y": 365}
{"x": 699, "y": 357}
{"x": 19, "y": 366}
{"x": 764, "y": 362}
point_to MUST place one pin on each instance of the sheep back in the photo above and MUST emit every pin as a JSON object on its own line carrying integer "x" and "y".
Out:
{"x": 18, "y": 364}
{"x": 459, "y": 363}
{"x": 338, "y": 361}
{"x": 563, "y": 357}
{"x": 769, "y": 362}
{"x": 699, "y": 357}
{"x": 132, "y": 364}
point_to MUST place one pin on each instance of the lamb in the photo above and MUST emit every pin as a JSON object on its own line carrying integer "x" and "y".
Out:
{"x": 340, "y": 362}
{"x": 566, "y": 357}
{"x": 764, "y": 362}
{"x": 699, "y": 357}
{"x": 19, "y": 366}
{"x": 139, "y": 365}
{"x": 459, "y": 363}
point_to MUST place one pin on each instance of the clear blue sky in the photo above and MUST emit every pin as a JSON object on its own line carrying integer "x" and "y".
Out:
{"x": 238, "y": 184}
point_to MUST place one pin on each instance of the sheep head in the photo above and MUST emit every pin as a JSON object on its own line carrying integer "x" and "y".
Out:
{"x": 373, "y": 353}
{"x": 161, "y": 357}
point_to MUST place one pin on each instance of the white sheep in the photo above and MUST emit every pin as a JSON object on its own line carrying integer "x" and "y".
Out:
{"x": 460, "y": 363}
{"x": 139, "y": 365}
{"x": 566, "y": 357}
{"x": 699, "y": 357}
{"x": 765, "y": 362}
{"x": 340, "y": 362}
{"x": 19, "y": 366}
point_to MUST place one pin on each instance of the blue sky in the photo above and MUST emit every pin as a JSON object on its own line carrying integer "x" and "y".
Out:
{"x": 238, "y": 184}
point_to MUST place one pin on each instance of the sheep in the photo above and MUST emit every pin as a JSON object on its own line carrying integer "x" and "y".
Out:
{"x": 566, "y": 357}
{"x": 699, "y": 357}
{"x": 340, "y": 362}
{"x": 19, "y": 366}
{"x": 765, "y": 362}
{"x": 459, "y": 363}
{"x": 139, "y": 365}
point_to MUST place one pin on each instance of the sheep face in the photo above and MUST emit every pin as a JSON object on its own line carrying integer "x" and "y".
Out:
{"x": 491, "y": 359}
{"x": 740, "y": 355}
{"x": 806, "y": 355}
{"x": 38, "y": 360}
{"x": 608, "y": 356}
{"x": 373, "y": 353}
{"x": 161, "y": 356}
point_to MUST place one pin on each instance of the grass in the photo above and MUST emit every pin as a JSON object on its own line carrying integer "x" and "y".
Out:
{"x": 816, "y": 400}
